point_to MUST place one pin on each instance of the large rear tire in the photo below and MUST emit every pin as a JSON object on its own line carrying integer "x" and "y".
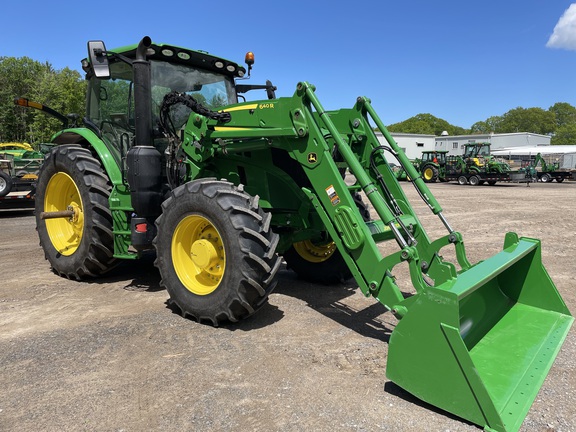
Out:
{"x": 215, "y": 251}
{"x": 82, "y": 245}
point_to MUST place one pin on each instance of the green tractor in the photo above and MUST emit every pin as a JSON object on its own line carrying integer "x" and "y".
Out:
{"x": 432, "y": 165}
{"x": 172, "y": 158}
{"x": 478, "y": 159}
{"x": 547, "y": 171}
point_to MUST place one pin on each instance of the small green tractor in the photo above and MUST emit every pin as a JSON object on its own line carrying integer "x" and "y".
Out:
{"x": 477, "y": 158}
{"x": 172, "y": 158}
{"x": 432, "y": 165}
{"x": 477, "y": 166}
{"x": 547, "y": 171}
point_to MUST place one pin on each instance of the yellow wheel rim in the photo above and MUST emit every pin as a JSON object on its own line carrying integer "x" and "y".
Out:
{"x": 198, "y": 254}
{"x": 313, "y": 252}
{"x": 428, "y": 174}
{"x": 63, "y": 194}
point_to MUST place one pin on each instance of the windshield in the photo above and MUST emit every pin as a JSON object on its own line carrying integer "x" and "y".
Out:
{"x": 484, "y": 150}
{"x": 111, "y": 101}
{"x": 470, "y": 151}
{"x": 211, "y": 89}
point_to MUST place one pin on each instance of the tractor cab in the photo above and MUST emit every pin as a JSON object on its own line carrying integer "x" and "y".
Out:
{"x": 127, "y": 88}
{"x": 437, "y": 157}
{"x": 477, "y": 153}
{"x": 111, "y": 109}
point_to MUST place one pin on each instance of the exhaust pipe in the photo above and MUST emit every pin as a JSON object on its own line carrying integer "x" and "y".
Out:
{"x": 143, "y": 94}
{"x": 143, "y": 161}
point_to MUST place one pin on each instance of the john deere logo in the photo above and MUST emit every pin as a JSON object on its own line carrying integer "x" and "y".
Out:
{"x": 312, "y": 158}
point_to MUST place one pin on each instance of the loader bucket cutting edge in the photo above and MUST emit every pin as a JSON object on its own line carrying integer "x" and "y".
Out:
{"x": 480, "y": 346}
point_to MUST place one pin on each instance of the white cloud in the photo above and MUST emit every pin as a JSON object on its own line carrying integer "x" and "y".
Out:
{"x": 564, "y": 35}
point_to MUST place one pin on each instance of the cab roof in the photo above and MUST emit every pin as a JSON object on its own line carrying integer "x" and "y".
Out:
{"x": 185, "y": 56}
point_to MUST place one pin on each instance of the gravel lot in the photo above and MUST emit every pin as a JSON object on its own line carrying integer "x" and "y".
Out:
{"x": 108, "y": 355}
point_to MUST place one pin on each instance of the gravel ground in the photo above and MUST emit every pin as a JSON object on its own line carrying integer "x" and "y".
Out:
{"x": 109, "y": 355}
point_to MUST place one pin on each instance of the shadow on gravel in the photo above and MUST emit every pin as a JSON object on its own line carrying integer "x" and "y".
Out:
{"x": 266, "y": 316}
{"x": 329, "y": 300}
{"x": 397, "y": 391}
{"x": 139, "y": 275}
{"x": 15, "y": 213}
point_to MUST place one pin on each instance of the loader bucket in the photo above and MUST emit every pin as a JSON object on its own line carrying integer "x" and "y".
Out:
{"x": 480, "y": 345}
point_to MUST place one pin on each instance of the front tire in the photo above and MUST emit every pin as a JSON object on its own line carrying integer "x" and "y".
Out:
{"x": 319, "y": 262}
{"x": 80, "y": 246}
{"x": 215, "y": 251}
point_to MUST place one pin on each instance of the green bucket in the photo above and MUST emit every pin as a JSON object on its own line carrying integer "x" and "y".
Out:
{"x": 480, "y": 345}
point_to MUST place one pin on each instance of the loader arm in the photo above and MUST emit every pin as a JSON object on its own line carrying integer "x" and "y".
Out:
{"x": 455, "y": 333}
{"x": 300, "y": 126}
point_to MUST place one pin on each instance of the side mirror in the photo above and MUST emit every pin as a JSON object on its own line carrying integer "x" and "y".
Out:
{"x": 98, "y": 59}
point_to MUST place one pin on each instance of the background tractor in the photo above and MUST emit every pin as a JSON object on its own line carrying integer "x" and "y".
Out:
{"x": 432, "y": 165}
{"x": 172, "y": 158}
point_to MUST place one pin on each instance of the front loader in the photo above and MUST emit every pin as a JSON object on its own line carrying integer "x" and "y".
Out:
{"x": 169, "y": 160}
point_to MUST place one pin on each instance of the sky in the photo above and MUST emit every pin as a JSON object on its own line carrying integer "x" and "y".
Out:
{"x": 463, "y": 61}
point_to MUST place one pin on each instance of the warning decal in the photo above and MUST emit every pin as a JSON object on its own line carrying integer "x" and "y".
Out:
{"x": 334, "y": 198}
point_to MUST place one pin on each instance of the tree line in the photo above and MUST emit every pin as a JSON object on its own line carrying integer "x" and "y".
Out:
{"x": 558, "y": 121}
{"x": 64, "y": 91}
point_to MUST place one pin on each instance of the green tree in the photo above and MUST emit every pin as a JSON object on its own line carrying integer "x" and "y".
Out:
{"x": 426, "y": 124}
{"x": 23, "y": 77}
{"x": 490, "y": 125}
{"x": 412, "y": 125}
{"x": 18, "y": 77}
{"x": 63, "y": 91}
{"x": 535, "y": 120}
{"x": 564, "y": 112}
{"x": 564, "y": 135}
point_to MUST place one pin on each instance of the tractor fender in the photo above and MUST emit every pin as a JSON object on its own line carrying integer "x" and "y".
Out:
{"x": 88, "y": 138}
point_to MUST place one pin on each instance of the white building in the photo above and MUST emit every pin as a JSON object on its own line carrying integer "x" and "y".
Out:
{"x": 412, "y": 144}
{"x": 455, "y": 144}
